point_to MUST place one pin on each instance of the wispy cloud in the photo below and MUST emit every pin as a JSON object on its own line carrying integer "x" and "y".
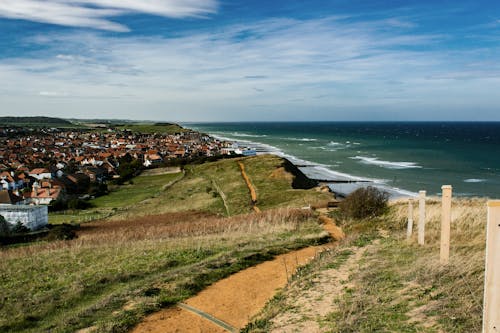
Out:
{"x": 323, "y": 64}
{"x": 97, "y": 13}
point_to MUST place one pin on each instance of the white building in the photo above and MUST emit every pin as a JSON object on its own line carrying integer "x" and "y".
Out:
{"x": 32, "y": 217}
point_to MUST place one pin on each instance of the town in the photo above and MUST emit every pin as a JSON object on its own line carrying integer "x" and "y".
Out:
{"x": 62, "y": 167}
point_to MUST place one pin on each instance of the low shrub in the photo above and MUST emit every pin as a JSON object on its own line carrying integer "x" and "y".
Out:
{"x": 4, "y": 227}
{"x": 62, "y": 232}
{"x": 363, "y": 203}
{"x": 20, "y": 228}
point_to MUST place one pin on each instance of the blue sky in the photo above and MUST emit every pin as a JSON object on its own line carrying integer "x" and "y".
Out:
{"x": 211, "y": 60}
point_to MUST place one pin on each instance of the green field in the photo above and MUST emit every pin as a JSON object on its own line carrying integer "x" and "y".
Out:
{"x": 204, "y": 187}
{"x": 149, "y": 128}
{"x": 120, "y": 199}
{"x": 45, "y": 122}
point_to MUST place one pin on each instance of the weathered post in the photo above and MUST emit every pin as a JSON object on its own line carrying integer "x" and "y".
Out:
{"x": 444, "y": 256}
{"x": 410, "y": 219}
{"x": 421, "y": 217}
{"x": 491, "y": 307}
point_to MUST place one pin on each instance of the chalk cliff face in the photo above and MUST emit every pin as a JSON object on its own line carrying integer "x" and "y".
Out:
{"x": 32, "y": 217}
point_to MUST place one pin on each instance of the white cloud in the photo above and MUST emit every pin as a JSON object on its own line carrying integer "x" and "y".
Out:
{"x": 96, "y": 13}
{"x": 272, "y": 69}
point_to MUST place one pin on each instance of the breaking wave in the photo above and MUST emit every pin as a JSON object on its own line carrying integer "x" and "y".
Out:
{"x": 386, "y": 164}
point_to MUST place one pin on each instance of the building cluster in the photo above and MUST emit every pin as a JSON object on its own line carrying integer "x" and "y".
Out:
{"x": 38, "y": 166}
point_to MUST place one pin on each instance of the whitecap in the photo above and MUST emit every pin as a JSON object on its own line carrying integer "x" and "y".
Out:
{"x": 474, "y": 180}
{"x": 301, "y": 139}
{"x": 238, "y": 134}
{"x": 386, "y": 164}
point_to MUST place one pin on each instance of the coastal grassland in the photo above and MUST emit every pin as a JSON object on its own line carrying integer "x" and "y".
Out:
{"x": 151, "y": 128}
{"x": 273, "y": 184}
{"x": 215, "y": 187}
{"x": 166, "y": 237}
{"x": 118, "y": 271}
{"x": 120, "y": 198}
{"x": 39, "y": 122}
{"x": 211, "y": 187}
{"x": 380, "y": 282}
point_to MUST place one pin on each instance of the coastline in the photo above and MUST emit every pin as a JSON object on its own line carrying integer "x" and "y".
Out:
{"x": 339, "y": 183}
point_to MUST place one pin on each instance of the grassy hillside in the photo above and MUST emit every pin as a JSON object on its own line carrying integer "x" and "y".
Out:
{"x": 150, "y": 128}
{"x": 219, "y": 188}
{"x": 36, "y": 122}
{"x": 168, "y": 238}
{"x": 216, "y": 187}
{"x": 377, "y": 281}
{"x": 120, "y": 199}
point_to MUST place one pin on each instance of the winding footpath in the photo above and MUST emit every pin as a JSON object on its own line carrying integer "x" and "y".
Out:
{"x": 232, "y": 301}
{"x": 229, "y": 304}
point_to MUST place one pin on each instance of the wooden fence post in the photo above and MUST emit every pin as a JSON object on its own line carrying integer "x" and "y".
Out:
{"x": 410, "y": 219}
{"x": 421, "y": 217}
{"x": 491, "y": 307}
{"x": 444, "y": 254}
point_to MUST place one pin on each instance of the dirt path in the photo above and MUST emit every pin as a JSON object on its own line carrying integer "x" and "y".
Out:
{"x": 251, "y": 189}
{"x": 233, "y": 300}
{"x": 236, "y": 299}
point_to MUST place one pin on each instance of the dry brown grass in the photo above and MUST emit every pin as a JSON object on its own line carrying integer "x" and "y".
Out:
{"x": 172, "y": 227}
{"x": 468, "y": 216}
{"x": 398, "y": 285}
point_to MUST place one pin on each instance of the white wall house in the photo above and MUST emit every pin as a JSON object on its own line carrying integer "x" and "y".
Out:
{"x": 32, "y": 217}
{"x": 40, "y": 174}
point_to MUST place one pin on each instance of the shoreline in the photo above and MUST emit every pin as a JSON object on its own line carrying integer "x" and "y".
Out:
{"x": 340, "y": 184}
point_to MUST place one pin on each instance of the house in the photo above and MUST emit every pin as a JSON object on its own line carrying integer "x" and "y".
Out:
{"x": 43, "y": 196}
{"x": 40, "y": 173}
{"x": 152, "y": 159}
{"x": 80, "y": 182}
{"x": 32, "y": 217}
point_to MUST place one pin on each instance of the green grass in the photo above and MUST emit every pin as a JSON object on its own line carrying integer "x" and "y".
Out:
{"x": 148, "y": 128}
{"x": 120, "y": 198}
{"x": 197, "y": 191}
{"x": 272, "y": 184}
{"x": 111, "y": 276}
{"x": 112, "y": 283}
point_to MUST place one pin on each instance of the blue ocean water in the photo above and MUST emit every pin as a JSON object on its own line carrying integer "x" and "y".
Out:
{"x": 407, "y": 155}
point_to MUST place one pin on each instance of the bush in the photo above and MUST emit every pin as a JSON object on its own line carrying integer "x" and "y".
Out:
{"x": 4, "y": 227}
{"x": 62, "y": 232}
{"x": 78, "y": 204}
{"x": 364, "y": 203}
{"x": 20, "y": 228}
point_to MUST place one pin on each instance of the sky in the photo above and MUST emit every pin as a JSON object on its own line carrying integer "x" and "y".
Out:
{"x": 252, "y": 60}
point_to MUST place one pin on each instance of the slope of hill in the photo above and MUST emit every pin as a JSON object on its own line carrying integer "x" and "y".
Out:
{"x": 168, "y": 238}
{"x": 377, "y": 281}
{"x": 36, "y": 122}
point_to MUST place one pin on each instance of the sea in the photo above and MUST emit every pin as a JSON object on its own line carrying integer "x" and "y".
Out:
{"x": 401, "y": 157}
